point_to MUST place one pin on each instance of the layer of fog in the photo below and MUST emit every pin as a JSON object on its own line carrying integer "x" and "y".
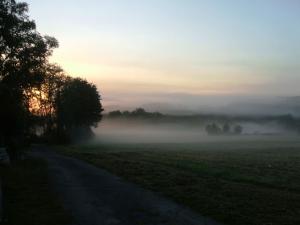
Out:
{"x": 130, "y": 131}
{"x": 184, "y": 104}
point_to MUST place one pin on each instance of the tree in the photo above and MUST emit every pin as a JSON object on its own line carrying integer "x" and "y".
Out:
{"x": 226, "y": 128}
{"x": 139, "y": 112}
{"x": 9, "y": 115}
{"x": 213, "y": 129}
{"x": 238, "y": 129}
{"x": 23, "y": 52}
{"x": 116, "y": 113}
{"x": 42, "y": 99}
{"x": 34, "y": 92}
{"x": 78, "y": 105}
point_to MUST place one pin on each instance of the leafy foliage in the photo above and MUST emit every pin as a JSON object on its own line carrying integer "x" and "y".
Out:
{"x": 78, "y": 104}
{"x": 33, "y": 91}
{"x": 23, "y": 51}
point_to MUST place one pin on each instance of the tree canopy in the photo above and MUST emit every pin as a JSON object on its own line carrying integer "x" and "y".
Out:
{"x": 33, "y": 92}
{"x": 78, "y": 104}
{"x": 23, "y": 49}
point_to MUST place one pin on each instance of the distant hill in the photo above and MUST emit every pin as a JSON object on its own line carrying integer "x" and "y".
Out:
{"x": 272, "y": 106}
{"x": 225, "y": 105}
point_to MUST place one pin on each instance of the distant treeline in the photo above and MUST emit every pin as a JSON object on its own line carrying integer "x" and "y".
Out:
{"x": 288, "y": 121}
{"x": 226, "y": 129}
{"x": 137, "y": 113}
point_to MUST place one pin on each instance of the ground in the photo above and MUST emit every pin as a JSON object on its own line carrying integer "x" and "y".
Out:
{"x": 254, "y": 183}
{"x": 234, "y": 183}
{"x": 28, "y": 196}
{"x": 94, "y": 196}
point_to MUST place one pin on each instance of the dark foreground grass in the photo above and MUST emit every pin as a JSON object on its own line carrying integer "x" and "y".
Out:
{"x": 236, "y": 187}
{"x": 28, "y": 198}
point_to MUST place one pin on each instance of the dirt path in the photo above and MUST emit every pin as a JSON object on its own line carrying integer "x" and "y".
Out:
{"x": 96, "y": 197}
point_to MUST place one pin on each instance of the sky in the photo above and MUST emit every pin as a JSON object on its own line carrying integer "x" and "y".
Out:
{"x": 141, "y": 52}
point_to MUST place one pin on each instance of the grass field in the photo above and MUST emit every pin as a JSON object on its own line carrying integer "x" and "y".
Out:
{"x": 247, "y": 182}
{"x": 29, "y": 199}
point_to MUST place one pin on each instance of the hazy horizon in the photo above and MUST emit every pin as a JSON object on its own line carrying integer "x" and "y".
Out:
{"x": 178, "y": 53}
{"x": 181, "y": 104}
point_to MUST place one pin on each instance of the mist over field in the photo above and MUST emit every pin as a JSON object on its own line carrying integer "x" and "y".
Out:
{"x": 148, "y": 131}
{"x": 143, "y": 132}
{"x": 185, "y": 117}
{"x": 187, "y": 128}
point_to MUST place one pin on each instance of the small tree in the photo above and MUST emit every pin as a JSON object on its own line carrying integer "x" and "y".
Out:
{"x": 226, "y": 128}
{"x": 213, "y": 129}
{"x": 139, "y": 112}
{"x": 238, "y": 129}
{"x": 116, "y": 113}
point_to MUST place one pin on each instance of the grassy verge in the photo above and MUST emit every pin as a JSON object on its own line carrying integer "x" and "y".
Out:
{"x": 28, "y": 198}
{"x": 249, "y": 187}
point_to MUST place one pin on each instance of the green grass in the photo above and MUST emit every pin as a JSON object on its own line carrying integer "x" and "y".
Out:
{"x": 258, "y": 185}
{"x": 28, "y": 198}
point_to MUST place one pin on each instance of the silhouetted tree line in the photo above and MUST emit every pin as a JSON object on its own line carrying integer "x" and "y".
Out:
{"x": 137, "y": 113}
{"x": 35, "y": 94}
{"x": 288, "y": 121}
{"x": 226, "y": 129}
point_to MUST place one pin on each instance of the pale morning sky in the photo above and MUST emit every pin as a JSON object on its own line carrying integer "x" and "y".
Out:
{"x": 157, "y": 50}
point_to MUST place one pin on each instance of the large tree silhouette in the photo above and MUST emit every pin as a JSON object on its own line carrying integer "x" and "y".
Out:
{"x": 78, "y": 106}
{"x": 23, "y": 51}
{"x": 33, "y": 92}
